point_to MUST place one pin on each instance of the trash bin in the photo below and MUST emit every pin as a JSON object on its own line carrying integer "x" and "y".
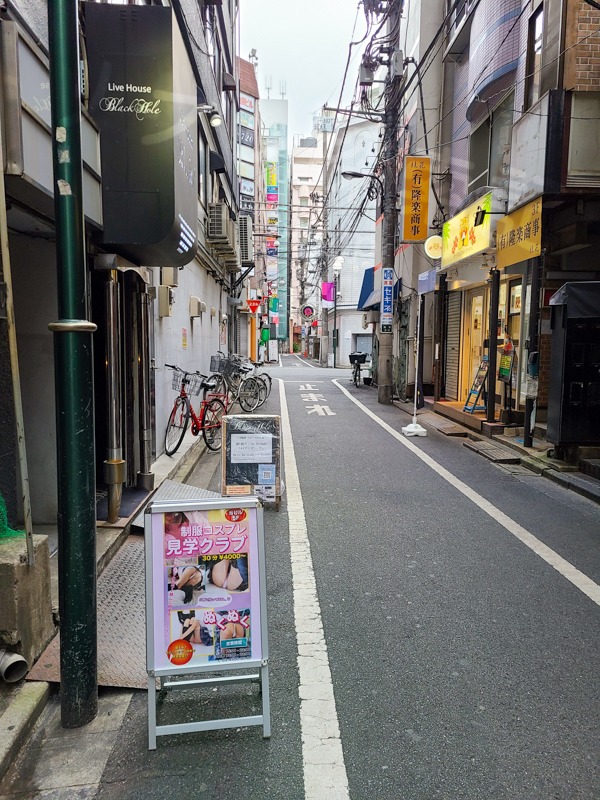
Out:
{"x": 574, "y": 390}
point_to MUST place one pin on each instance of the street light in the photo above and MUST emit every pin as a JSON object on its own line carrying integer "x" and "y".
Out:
{"x": 351, "y": 174}
{"x": 337, "y": 268}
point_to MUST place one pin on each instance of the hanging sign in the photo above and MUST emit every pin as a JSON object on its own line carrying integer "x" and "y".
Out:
{"x": 308, "y": 311}
{"x": 433, "y": 247}
{"x": 415, "y": 205}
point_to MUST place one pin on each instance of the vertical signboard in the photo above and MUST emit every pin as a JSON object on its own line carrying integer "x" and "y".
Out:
{"x": 143, "y": 98}
{"x": 205, "y": 595}
{"x": 387, "y": 300}
{"x": 415, "y": 205}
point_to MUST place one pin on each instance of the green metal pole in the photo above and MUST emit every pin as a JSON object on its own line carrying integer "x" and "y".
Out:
{"x": 74, "y": 384}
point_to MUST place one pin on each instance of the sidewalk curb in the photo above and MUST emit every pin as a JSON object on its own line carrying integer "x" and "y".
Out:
{"x": 25, "y": 708}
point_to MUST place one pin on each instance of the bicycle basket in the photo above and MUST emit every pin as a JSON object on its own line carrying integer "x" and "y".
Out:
{"x": 194, "y": 385}
{"x": 231, "y": 367}
{"x": 358, "y": 358}
{"x": 177, "y": 378}
{"x": 217, "y": 363}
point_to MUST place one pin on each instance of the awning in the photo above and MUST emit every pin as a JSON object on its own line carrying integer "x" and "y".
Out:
{"x": 369, "y": 297}
{"x": 366, "y": 290}
{"x": 582, "y": 299}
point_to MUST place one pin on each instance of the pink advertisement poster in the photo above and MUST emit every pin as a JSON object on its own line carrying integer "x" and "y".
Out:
{"x": 205, "y": 576}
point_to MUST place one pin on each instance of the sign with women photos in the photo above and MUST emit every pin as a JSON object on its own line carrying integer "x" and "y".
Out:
{"x": 205, "y": 580}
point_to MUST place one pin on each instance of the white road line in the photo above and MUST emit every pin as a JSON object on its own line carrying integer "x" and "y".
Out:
{"x": 561, "y": 565}
{"x": 305, "y": 363}
{"x": 322, "y": 754}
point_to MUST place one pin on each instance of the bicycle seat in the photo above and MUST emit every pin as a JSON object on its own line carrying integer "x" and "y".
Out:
{"x": 244, "y": 368}
{"x": 209, "y": 385}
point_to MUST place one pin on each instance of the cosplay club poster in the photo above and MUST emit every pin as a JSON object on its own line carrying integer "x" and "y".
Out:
{"x": 205, "y": 587}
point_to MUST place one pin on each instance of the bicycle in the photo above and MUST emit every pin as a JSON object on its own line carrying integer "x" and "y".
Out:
{"x": 233, "y": 384}
{"x": 357, "y": 359}
{"x": 209, "y": 418}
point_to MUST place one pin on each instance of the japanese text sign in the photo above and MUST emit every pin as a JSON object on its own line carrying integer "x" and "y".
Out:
{"x": 461, "y": 238}
{"x": 206, "y": 606}
{"x": 519, "y": 235}
{"x": 415, "y": 204}
{"x": 387, "y": 296}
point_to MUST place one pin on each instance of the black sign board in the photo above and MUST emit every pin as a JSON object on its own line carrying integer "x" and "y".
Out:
{"x": 143, "y": 96}
{"x": 251, "y": 457}
{"x": 246, "y": 136}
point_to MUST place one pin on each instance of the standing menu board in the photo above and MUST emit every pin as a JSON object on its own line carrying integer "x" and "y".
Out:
{"x": 251, "y": 457}
{"x": 205, "y": 598}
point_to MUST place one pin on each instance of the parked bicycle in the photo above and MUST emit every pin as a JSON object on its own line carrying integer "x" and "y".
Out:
{"x": 357, "y": 359}
{"x": 207, "y": 421}
{"x": 234, "y": 384}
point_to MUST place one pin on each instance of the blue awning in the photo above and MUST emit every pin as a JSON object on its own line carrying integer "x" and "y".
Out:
{"x": 369, "y": 297}
{"x": 366, "y": 289}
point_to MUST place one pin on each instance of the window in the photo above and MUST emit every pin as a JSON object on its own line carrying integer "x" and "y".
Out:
{"x": 489, "y": 148}
{"x": 534, "y": 58}
{"x": 304, "y": 201}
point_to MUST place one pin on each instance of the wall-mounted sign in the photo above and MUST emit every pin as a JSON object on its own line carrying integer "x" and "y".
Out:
{"x": 246, "y": 170}
{"x": 433, "y": 247}
{"x": 271, "y": 173}
{"x": 247, "y": 187}
{"x": 143, "y": 97}
{"x": 246, "y": 136}
{"x": 323, "y": 124}
{"x": 519, "y": 235}
{"x": 387, "y": 293}
{"x": 247, "y": 102}
{"x": 415, "y": 206}
{"x": 461, "y": 238}
{"x": 246, "y": 119}
{"x": 184, "y": 339}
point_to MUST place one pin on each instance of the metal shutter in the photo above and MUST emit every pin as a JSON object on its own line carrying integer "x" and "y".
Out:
{"x": 452, "y": 354}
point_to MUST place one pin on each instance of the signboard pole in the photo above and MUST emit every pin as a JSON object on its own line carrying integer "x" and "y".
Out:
{"x": 206, "y": 604}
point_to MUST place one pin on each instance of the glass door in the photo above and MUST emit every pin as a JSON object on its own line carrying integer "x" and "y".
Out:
{"x": 474, "y": 336}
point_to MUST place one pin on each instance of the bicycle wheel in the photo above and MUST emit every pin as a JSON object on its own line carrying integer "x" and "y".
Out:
{"x": 356, "y": 375}
{"x": 263, "y": 392}
{"x": 248, "y": 394}
{"x": 177, "y": 425}
{"x": 212, "y": 433}
{"x": 267, "y": 379}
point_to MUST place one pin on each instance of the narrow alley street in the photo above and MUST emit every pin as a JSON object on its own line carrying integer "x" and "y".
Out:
{"x": 456, "y": 629}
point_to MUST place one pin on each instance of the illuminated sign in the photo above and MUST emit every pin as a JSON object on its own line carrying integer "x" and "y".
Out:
{"x": 461, "y": 238}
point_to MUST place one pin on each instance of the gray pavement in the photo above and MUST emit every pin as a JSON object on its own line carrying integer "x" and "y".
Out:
{"x": 463, "y": 659}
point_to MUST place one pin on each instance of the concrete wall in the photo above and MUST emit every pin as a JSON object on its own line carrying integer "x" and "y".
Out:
{"x": 34, "y": 281}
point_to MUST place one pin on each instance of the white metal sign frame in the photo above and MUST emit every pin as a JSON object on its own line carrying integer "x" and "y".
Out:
{"x": 157, "y": 600}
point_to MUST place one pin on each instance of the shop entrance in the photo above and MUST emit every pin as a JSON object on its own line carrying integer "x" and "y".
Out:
{"x": 474, "y": 336}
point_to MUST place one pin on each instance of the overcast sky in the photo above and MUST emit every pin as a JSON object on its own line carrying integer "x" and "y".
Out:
{"x": 303, "y": 45}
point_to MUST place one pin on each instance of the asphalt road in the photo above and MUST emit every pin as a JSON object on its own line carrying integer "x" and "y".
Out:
{"x": 459, "y": 606}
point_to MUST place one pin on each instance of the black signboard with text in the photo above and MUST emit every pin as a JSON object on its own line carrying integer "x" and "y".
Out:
{"x": 143, "y": 97}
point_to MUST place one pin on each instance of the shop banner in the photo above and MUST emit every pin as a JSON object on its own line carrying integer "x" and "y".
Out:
{"x": 205, "y": 587}
{"x": 271, "y": 172}
{"x": 461, "y": 238}
{"x": 328, "y": 295}
{"x": 415, "y": 206}
{"x": 519, "y": 235}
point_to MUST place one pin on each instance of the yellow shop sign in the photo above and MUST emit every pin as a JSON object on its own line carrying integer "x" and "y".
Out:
{"x": 519, "y": 235}
{"x": 461, "y": 238}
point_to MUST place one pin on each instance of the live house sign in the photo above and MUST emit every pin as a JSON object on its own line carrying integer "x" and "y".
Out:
{"x": 142, "y": 96}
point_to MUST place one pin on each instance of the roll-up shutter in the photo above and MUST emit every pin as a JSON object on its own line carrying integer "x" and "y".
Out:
{"x": 452, "y": 354}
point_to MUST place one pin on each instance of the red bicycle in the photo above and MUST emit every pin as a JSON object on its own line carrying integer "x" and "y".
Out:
{"x": 208, "y": 420}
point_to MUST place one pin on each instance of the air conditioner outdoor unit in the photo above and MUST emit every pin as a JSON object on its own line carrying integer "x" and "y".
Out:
{"x": 246, "y": 240}
{"x": 218, "y": 222}
{"x": 195, "y": 306}
{"x": 170, "y": 276}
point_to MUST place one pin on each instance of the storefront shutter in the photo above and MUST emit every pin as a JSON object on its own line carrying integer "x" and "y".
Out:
{"x": 452, "y": 354}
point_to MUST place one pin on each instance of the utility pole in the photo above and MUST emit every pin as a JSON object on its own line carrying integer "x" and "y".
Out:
{"x": 73, "y": 367}
{"x": 324, "y": 351}
{"x": 390, "y": 153}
